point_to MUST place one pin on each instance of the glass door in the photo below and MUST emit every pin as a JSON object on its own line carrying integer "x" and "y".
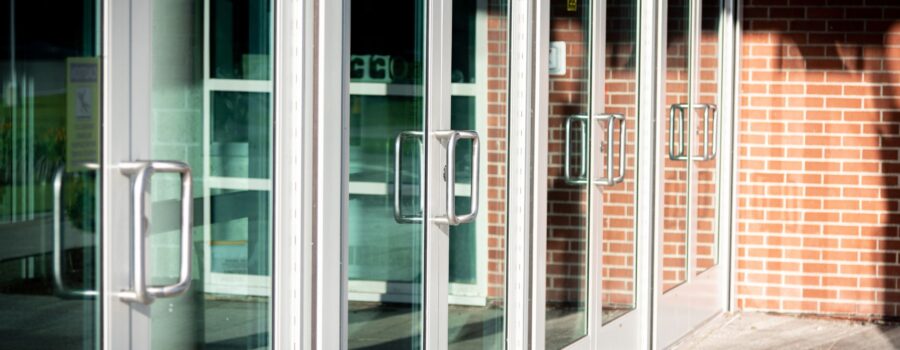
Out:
{"x": 427, "y": 144}
{"x": 50, "y": 234}
{"x": 692, "y": 280}
{"x": 591, "y": 292}
{"x": 385, "y": 222}
{"x": 196, "y": 174}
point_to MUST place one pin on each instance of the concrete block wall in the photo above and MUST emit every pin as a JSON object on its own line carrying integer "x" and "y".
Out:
{"x": 818, "y": 159}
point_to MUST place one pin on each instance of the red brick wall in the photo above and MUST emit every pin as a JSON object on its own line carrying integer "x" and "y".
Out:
{"x": 675, "y": 172}
{"x": 566, "y": 203}
{"x": 496, "y": 147}
{"x": 567, "y": 231}
{"x": 818, "y": 160}
{"x": 620, "y": 96}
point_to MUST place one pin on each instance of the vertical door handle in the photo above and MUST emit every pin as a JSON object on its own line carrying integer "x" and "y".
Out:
{"x": 678, "y": 148}
{"x": 141, "y": 173}
{"x": 612, "y": 177}
{"x": 581, "y": 178}
{"x": 399, "y": 216}
{"x": 710, "y": 146}
{"x": 59, "y": 285}
{"x": 453, "y": 138}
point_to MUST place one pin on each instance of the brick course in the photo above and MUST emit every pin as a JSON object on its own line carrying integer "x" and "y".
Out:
{"x": 818, "y": 160}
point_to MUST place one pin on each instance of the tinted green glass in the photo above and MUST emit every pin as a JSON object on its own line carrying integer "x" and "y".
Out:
{"x": 212, "y": 108}
{"x": 49, "y": 183}
{"x": 240, "y": 129}
{"x": 239, "y": 41}
{"x": 385, "y": 232}
{"x": 479, "y": 77}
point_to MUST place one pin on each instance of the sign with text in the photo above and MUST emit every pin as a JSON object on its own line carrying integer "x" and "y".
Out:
{"x": 380, "y": 69}
{"x": 82, "y": 112}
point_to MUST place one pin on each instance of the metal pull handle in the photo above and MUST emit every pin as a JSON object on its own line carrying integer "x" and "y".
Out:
{"x": 710, "y": 146}
{"x": 453, "y": 138}
{"x": 678, "y": 151}
{"x": 141, "y": 173}
{"x": 59, "y": 285}
{"x": 398, "y": 144}
{"x": 581, "y": 178}
{"x": 679, "y": 112}
{"x": 612, "y": 177}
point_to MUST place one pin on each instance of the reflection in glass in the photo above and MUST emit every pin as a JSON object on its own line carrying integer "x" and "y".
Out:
{"x": 385, "y": 233}
{"x": 675, "y": 165}
{"x": 619, "y": 240}
{"x": 706, "y": 249}
{"x": 239, "y": 134}
{"x": 567, "y": 198}
{"x": 49, "y": 182}
{"x": 478, "y": 250}
{"x": 222, "y": 129}
{"x": 240, "y": 226}
{"x": 239, "y": 40}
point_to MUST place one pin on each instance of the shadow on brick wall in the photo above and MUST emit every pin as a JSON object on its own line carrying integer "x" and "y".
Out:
{"x": 820, "y": 134}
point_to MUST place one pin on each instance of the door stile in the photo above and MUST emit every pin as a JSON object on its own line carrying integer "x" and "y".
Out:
{"x": 126, "y": 119}
{"x": 596, "y": 165}
{"x": 649, "y": 95}
{"x": 438, "y": 34}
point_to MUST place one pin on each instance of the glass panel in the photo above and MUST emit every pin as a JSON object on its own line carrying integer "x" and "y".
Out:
{"x": 386, "y": 105}
{"x": 618, "y": 293}
{"x": 477, "y": 249}
{"x": 706, "y": 249}
{"x": 49, "y": 183}
{"x": 239, "y": 42}
{"x": 567, "y": 198}
{"x": 239, "y": 134}
{"x": 225, "y": 137}
{"x": 674, "y": 144}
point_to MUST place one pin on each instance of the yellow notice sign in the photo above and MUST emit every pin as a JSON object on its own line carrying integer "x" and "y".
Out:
{"x": 82, "y": 112}
{"x": 572, "y": 5}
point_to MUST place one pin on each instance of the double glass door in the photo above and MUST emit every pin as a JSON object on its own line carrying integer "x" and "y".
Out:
{"x": 692, "y": 282}
{"x": 592, "y": 297}
{"x": 427, "y": 148}
{"x": 136, "y": 189}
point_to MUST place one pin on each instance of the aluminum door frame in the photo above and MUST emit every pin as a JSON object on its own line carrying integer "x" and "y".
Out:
{"x": 330, "y": 95}
{"x": 702, "y": 296}
{"x": 325, "y": 275}
{"x": 632, "y": 330}
{"x": 126, "y": 118}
